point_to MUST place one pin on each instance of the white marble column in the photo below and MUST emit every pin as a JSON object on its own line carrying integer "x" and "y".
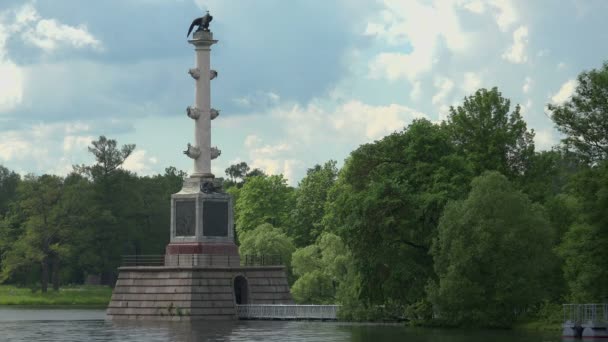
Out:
{"x": 202, "y": 41}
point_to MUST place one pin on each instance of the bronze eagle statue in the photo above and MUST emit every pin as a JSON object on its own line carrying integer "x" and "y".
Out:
{"x": 202, "y": 23}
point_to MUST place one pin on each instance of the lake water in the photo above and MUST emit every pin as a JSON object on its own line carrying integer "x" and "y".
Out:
{"x": 69, "y": 325}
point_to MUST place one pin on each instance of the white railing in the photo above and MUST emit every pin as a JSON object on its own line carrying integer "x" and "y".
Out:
{"x": 201, "y": 260}
{"x": 287, "y": 312}
{"x": 578, "y": 313}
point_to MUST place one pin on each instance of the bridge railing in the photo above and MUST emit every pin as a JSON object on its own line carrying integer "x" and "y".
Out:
{"x": 201, "y": 260}
{"x": 287, "y": 312}
{"x": 579, "y": 313}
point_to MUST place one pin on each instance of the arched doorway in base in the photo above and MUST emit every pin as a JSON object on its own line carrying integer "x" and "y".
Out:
{"x": 241, "y": 290}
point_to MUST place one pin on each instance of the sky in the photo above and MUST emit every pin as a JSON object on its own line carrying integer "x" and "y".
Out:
{"x": 300, "y": 82}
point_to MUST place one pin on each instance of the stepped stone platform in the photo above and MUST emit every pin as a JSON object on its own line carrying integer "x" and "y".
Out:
{"x": 194, "y": 293}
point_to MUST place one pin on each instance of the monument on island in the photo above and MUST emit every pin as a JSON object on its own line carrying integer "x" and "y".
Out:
{"x": 201, "y": 276}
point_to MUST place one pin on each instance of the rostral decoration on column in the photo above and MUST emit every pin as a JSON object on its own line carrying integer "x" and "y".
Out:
{"x": 193, "y": 112}
{"x": 195, "y": 73}
{"x": 192, "y": 151}
{"x": 215, "y": 152}
{"x": 214, "y": 113}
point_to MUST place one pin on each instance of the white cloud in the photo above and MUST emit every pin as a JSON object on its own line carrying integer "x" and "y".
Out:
{"x": 11, "y": 85}
{"x": 14, "y": 146}
{"x": 273, "y": 97}
{"x": 564, "y": 92}
{"x": 139, "y": 163}
{"x": 444, "y": 112}
{"x": 49, "y": 34}
{"x": 543, "y": 53}
{"x": 75, "y": 142}
{"x": 444, "y": 88}
{"x": 47, "y": 148}
{"x": 527, "y": 85}
{"x": 422, "y": 26}
{"x": 544, "y": 140}
{"x": 271, "y": 149}
{"x": 516, "y": 53}
{"x": 258, "y": 99}
{"x": 471, "y": 82}
{"x": 475, "y": 6}
{"x": 286, "y": 167}
{"x": 272, "y": 159}
{"x": 25, "y": 15}
{"x": 525, "y": 109}
{"x": 506, "y": 15}
{"x": 252, "y": 140}
{"x": 353, "y": 121}
{"x": 416, "y": 91}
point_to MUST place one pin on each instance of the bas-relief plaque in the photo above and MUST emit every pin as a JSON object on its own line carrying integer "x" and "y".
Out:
{"x": 215, "y": 218}
{"x": 185, "y": 219}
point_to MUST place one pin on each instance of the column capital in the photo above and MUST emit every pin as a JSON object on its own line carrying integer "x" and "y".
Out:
{"x": 202, "y": 39}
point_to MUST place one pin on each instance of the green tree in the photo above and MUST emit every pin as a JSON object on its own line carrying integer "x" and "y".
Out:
{"x": 263, "y": 200}
{"x": 310, "y": 203}
{"x": 548, "y": 174}
{"x": 583, "y": 118}
{"x": 116, "y": 199}
{"x": 490, "y": 137}
{"x": 53, "y": 210}
{"x": 386, "y": 206}
{"x": 478, "y": 255}
{"x": 108, "y": 156}
{"x": 9, "y": 181}
{"x": 583, "y": 247}
{"x": 254, "y": 173}
{"x": 237, "y": 173}
{"x": 323, "y": 269}
{"x": 267, "y": 240}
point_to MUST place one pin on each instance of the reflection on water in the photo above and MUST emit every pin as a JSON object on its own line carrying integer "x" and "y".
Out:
{"x": 88, "y": 325}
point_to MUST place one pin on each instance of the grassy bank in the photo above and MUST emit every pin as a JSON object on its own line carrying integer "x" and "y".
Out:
{"x": 540, "y": 325}
{"x": 69, "y": 295}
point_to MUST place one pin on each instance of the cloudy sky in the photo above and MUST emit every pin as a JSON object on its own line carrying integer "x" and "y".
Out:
{"x": 300, "y": 82}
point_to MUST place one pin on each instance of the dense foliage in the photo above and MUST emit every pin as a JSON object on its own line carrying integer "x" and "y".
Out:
{"x": 478, "y": 251}
{"x": 457, "y": 223}
{"x": 583, "y": 119}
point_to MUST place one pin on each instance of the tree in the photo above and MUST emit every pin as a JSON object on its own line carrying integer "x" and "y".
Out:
{"x": 548, "y": 173}
{"x": 255, "y": 173}
{"x": 324, "y": 270}
{"x": 267, "y": 240}
{"x": 53, "y": 210}
{"x": 583, "y": 118}
{"x": 263, "y": 200}
{"x": 8, "y": 188}
{"x": 478, "y": 255}
{"x": 116, "y": 198}
{"x": 237, "y": 172}
{"x": 583, "y": 246}
{"x": 310, "y": 203}
{"x": 108, "y": 156}
{"x": 386, "y": 205}
{"x": 490, "y": 137}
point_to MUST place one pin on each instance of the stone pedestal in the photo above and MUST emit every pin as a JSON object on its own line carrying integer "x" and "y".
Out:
{"x": 202, "y": 222}
{"x": 194, "y": 293}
